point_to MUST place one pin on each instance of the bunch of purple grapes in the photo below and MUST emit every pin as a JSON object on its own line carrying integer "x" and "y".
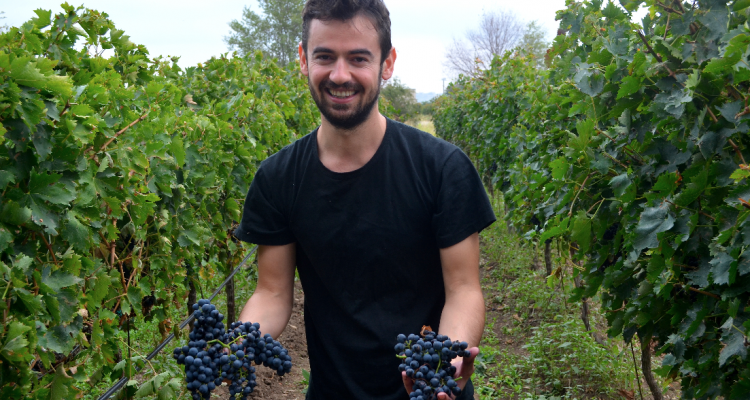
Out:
{"x": 272, "y": 354}
{"x": 428, "y": 361}
{"x": 236, "y": 367}
{"x": 207, "y": 364}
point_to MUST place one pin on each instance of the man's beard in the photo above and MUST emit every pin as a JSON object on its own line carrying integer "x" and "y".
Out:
{"x": 359, "y": 114}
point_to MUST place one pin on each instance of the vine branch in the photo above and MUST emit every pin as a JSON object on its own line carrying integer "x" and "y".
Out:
{"x": 692, "y": 289}
{"x": 737, "y": 150}
{"x": 667, "y": 8}
{"x": 657, "y": 56}
{"x": 615, "y": 160}
{"x": 651, "y": 50}
{"x": 578, "y": 193}
{"x": 630, "y": 152}
{"x": 120, "y": 132}
{"x": 711, "y": 113}
{"x": 49, "y": 247}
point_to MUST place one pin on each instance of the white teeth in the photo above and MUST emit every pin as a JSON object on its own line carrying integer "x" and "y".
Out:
{"x": 341, "y": 94}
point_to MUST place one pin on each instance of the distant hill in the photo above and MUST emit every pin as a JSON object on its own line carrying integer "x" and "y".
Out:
{"x": 422, "y": 97}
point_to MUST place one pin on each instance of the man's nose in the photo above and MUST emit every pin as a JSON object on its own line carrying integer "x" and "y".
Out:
{"x": 340, "y": 73}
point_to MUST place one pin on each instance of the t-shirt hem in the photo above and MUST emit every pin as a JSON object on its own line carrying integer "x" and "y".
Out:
{"x": 460, "y": 235}
{"x": 264, "y": 240}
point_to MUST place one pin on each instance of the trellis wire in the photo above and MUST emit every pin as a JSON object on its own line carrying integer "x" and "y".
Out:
{"x": 114, "y": 389}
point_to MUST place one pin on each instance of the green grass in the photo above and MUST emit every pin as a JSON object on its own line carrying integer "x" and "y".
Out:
{"x": 535, "y": 345}
{"x": 423, "y": 123}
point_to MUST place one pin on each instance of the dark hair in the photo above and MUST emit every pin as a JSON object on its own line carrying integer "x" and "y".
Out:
{"x": 344, "y": 10}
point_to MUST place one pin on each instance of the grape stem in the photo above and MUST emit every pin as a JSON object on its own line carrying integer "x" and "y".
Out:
{"x": 227, "y": 345}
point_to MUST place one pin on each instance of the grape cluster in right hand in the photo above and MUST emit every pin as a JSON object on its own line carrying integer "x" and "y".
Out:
{"x": 428, "y": 361}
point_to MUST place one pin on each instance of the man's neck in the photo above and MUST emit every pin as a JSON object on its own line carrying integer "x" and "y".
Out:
{"x": 342, "y": 150}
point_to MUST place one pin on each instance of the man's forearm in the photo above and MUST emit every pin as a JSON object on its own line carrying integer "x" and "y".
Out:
{"x": 271, "y": 311}
{"x": 271, "y": 303}
{"x": 463, "y": 317}
{"x": 463, "y": 313}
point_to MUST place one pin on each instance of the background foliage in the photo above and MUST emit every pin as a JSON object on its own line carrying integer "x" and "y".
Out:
{"x": 402, "y": 98}
{"x": 276, "y": 32}
{"x": 118, "y": 175}
{"x": 631, "y": 151}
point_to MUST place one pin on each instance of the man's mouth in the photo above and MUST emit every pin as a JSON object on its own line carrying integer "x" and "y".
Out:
{"x": 341, "y": 94}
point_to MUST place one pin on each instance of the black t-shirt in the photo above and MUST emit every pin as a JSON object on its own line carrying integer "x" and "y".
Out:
{"x": 367, "y": 246}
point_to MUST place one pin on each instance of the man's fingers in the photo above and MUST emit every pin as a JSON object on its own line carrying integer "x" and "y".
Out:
{"x": 465, "y": 367}
{"x": 445, "y": 396}
{"x": 474, "y": 352}
{"x": 408, "y": 382}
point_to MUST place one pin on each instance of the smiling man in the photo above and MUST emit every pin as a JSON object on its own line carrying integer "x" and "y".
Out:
{"x": 380, "y": 220}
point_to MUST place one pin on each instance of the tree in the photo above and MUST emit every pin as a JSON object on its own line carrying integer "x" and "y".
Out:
{"x": 276, "y": 32}
{"x": 3, "y": 28}
{"x": 533, "y": 43}
{"x": 498, "y": 32}
{"x": 426, "y": 107}
{"x": 402, "y": 98}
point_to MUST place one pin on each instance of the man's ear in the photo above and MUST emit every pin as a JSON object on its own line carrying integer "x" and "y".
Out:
{"x": 302, "y": 60}
{"x": 388, "y": 64}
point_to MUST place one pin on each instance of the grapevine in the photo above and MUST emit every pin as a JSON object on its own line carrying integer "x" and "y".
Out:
{"x": 117, "y": 170}
{"x": 630, "y": 151}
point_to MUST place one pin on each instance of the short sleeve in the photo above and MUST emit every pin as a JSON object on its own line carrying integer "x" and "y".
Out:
{"x": 263, "y": 221}
{"x": 462, "y": 206}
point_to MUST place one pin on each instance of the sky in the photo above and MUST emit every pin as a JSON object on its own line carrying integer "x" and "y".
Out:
{"x": 195, "y": 30}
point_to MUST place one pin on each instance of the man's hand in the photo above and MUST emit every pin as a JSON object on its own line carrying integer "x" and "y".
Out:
{"x": 464, "y": 369}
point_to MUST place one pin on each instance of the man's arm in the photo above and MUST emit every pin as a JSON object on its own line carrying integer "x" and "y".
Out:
{"x": 463, "y": 314}
{"x": 271, "y": 303}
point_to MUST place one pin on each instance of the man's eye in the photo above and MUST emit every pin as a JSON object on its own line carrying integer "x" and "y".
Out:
{"x": 359, "y": 59}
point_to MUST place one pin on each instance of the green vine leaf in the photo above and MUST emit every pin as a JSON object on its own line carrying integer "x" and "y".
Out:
{"x": 15, "y": 344}
{"x": 653, "y": 221}
{"x": 620, "y": 184}
{"x": 581, "y": 231}
{"x": 724, "y": 269}
{"x": 630, "y": 85}
{"x": 693, "y": 190}
{"x": 60, "y": 385}
{"x": 734, "y": 342}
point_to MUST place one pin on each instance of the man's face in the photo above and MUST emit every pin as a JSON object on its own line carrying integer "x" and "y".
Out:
{"x": 344, "y": 70}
